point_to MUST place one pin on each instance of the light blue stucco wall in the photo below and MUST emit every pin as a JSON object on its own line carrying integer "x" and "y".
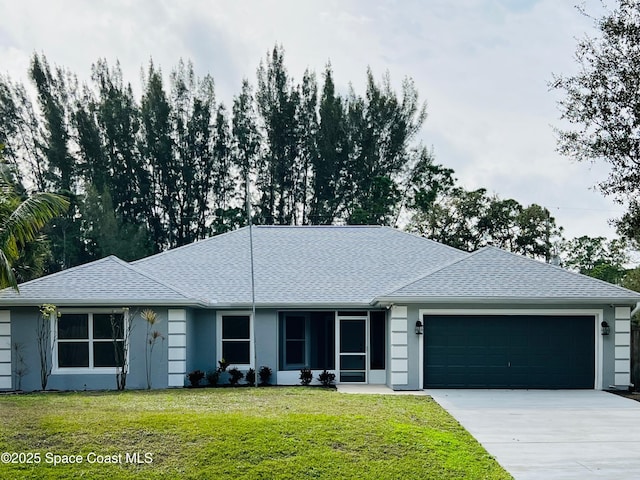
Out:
{"x": 202, "y": 346}
{"x": 266, "y": 332}
{"x": 201, "y": 340}
{"x": 23, "y": 331}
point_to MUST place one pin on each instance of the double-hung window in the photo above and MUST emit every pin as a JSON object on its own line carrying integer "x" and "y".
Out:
{"x": 235, "y": 335}
{"x": 89, "y": 341}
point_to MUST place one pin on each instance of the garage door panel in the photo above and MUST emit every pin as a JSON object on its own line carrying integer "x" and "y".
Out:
{"x": 509, "y": 351}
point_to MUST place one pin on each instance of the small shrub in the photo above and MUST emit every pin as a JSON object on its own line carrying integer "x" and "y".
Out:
{"x": 212, "y": 377}
{"x": 235, "y": 376}
{"x": 223, "y": 365}
{"x": 306, "y": 376}
{"x": 327, "y": 378}
{"x": 195, "y": 377}
{"x": 265, "y": 375}
{"x": 250, "y": 377}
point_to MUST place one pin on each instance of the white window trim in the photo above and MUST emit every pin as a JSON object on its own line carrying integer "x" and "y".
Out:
{"x": 235, "y": 313}
{"x": 56, "y": 370}
{"x": 598, "y": 314}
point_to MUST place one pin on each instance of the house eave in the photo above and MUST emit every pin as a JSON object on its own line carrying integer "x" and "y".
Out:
{"x": 106, "y": 302}
{"x": 619, "y": 301}
{"x": 297, "y": 305}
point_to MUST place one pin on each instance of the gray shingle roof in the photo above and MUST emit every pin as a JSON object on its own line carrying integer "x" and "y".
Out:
{"x": 300, "y": 265}
{"x": 315, "y": 266}
{"x": 108, "y": 281}
{"x": 492, "y": 273}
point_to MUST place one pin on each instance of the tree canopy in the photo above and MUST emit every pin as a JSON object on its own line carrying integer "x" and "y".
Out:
{"x": 469, "y": 220}
{"x": 144, "y": 173}
{"x": 597, "y": 257}
{"x": 601, "y": 104}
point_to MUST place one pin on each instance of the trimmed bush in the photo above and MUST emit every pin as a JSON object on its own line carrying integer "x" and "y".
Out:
{"x": 195, "y": 377}
{"x": 327, "y": 378}
{"x": 306, "y": 376}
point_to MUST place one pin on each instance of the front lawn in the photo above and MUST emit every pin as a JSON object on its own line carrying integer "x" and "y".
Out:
{"x": 244, "y": 433}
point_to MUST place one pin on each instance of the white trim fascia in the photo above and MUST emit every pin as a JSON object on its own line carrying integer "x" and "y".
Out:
{"x": 509, "y": 300}
{"x": 598, "y": 314}
{"x": 106, "y": 302}
{"x": 298, "y": 305}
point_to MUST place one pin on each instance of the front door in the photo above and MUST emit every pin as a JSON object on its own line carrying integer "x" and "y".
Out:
{"x": 352, "y": 352}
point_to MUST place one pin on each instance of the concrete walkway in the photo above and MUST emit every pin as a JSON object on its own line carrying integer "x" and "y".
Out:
{"x": 542, "y": 434}
{"x": 375, "y": 390}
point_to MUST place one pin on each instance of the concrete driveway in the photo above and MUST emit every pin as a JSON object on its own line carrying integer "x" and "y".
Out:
{"x": 552, "y": 434}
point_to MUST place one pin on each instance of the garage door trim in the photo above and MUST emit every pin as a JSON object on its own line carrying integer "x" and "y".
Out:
{"x": 598, "y": 315}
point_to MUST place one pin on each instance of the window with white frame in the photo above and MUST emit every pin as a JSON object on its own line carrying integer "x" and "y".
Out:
{"x": 236, "y": 339}
{"x": 89, "y": 340}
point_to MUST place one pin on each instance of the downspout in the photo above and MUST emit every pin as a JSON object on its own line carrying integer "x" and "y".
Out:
{"x": 635, "y": 310}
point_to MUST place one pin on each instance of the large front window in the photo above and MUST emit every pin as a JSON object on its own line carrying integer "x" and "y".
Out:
{"x": 308, "y": 340}
{"x": 89, "y": 340}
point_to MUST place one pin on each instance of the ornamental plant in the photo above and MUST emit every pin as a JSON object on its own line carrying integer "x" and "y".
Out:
{"x": 326, "y": 378}
{"x": 250, "y": 377}
{"x": 235, "y": 376}
{"x": 153, "y": 336}
{"x": 195, "y": 377}
{"x": 265, "y": 375}
{"x": 212, "y": 377}
{"x": 306, "y": 376}
{"x": 45, "y": 345}
{"x": 223, "y": 364}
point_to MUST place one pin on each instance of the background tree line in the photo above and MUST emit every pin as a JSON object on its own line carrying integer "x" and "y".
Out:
{"x": 148, "y": 173}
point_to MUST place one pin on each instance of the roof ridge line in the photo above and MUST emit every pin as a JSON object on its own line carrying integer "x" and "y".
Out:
{"x": 161, "y": 282}
{"x": 435, "y": 270}
{"x": 319, "y": 226}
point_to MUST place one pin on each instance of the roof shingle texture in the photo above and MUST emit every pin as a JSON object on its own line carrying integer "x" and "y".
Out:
{"x": 495, "y": 273}
{"x": 106, "y": 280}
{"x": 300, "y": 264}
{"x": 313, "y": 266}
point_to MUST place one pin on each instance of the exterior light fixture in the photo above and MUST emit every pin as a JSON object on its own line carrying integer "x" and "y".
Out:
{"x": 605, "y": 329}
{"x": 419, "y": 328}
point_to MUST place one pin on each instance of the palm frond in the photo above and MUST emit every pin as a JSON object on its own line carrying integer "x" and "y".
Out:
{"x": 20, "y": 223}
{"x": 32, "y": 215}
{"x": 7, "y": 278}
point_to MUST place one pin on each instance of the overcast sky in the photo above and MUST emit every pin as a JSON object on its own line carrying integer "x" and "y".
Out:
{"x": 482, "y": 66}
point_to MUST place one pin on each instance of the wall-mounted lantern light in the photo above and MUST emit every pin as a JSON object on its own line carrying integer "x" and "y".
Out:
{"x": 419, "y": 328}
{"x": 605, "y": 329}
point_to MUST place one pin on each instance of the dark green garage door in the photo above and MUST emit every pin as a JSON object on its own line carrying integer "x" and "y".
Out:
{"x": 509, "y": 351}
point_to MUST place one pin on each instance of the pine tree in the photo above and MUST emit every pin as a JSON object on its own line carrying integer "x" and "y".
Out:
{"x": 277, "y": 101}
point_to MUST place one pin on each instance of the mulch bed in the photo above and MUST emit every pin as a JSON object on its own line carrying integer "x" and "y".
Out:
{"x": 627, "y": 394}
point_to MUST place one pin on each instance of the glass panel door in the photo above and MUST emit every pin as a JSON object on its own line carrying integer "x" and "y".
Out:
{"x": 353, "y": 350}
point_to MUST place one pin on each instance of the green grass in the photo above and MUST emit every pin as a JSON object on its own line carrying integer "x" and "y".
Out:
{"x": 244, "y": 433}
